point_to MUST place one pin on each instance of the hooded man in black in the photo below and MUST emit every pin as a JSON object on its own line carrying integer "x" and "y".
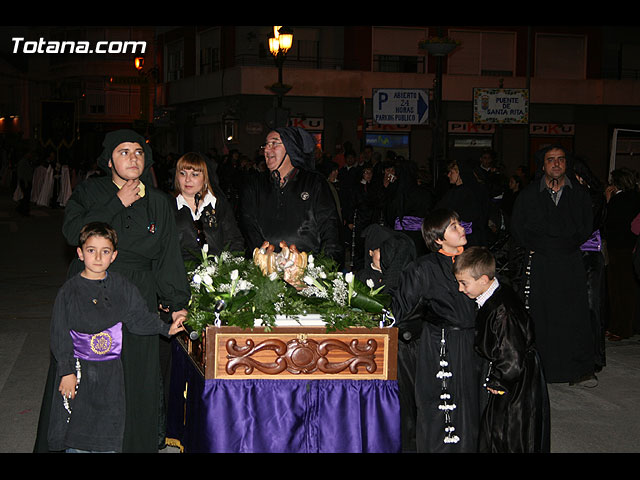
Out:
{"x": 149, "y": 256}
{"x": 291, "y": 202}
{"x": 387, "y": 253}
{"x": 552, "y": 217}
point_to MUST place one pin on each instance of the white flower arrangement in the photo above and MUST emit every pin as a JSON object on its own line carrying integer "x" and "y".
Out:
{"x": 248, "y": 294}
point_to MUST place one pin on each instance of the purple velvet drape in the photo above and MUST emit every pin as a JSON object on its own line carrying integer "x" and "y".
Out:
{"x": 281, "y": 416}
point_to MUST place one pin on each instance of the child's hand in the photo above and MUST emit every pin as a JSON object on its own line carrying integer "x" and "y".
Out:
{"x": 68, "y": 386}
{"x": 496, "y": 392}
{"x": 178, "y": 317}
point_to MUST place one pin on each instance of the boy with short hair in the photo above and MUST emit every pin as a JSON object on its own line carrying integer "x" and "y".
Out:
{"x": 516, "y": 418}
{"x": 90, "y": 309}
{"x": 439, "y": 373}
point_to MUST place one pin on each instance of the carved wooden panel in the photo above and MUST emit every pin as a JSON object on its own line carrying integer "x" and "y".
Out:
{"x": 300, "y": 352}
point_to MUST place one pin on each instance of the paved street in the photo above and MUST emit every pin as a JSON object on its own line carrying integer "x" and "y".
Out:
{"x": 33, "y": 261}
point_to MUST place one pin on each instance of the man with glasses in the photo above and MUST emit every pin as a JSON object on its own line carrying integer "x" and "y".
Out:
{"x": 291, "y": 201}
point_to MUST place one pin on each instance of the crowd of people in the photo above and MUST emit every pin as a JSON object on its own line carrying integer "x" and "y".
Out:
{"x": 555, "y": 249}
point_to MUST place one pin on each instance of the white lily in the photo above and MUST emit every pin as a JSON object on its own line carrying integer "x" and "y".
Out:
{"x": 349, "y": 279}
{"x": 234, "y": 281}
{"x": 370, "y": 283}
{"x": 313, "y": 282}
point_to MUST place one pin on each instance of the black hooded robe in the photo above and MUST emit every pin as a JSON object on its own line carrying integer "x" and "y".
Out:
{"x": 519, "y": 420}
{"x": 426, "y": 304}
{"x": 303, "y": 212}
{"x": 558, "y": 298}
{"x": 397, "y": 250}
{"x": 149, "y": 256}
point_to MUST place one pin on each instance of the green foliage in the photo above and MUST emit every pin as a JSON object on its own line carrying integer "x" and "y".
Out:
{"x": 248, "y": 296}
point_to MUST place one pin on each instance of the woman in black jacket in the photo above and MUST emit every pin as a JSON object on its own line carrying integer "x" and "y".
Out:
{"x": 203, "y": 213}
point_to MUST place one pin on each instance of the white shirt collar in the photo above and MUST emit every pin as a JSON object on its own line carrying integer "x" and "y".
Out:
{"x": 208, "y": 199}
{"x": 480, "y": 299}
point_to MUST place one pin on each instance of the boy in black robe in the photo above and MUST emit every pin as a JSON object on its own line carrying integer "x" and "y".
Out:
{"x": 439, "y": 373}
{"x": 149, "y": 256}
{"x": 516, "y": 418}
{"x": 88, "y": 410}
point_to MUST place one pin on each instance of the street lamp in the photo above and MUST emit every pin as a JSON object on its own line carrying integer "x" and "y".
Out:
{"x": 439, "y": 47}
{"x": 279, "y": 45}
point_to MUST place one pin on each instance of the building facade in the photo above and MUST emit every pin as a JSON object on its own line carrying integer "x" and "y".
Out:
{"x": 581, "y": 82}
{"x": 211, "y": 88}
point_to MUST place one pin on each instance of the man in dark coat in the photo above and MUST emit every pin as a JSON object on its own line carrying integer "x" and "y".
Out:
{"x": 149, "y": 256}
{"x": 552, "y": 218}
{"x": 291, "y": 202}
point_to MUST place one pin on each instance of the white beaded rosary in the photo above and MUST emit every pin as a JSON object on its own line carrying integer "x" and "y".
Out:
{"x": 65, "y": 399}
{"x": 445, "y": 396}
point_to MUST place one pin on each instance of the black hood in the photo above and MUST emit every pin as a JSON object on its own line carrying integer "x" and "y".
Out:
{"x": 115, "y": 138}
{"x": 300, "y": 146}
{"x": 396, "y": 251}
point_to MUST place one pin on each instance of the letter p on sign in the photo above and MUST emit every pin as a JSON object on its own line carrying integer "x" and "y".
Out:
{"x": 382, "y": 97}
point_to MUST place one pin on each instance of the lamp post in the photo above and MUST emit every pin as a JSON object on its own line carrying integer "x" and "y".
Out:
{"x": 279, "y": 45}
{"x": 148, "y": 79}
{"x": 439, "y": 48}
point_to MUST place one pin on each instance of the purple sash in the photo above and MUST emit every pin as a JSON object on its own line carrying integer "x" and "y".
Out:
{"x": 97, "y": 347}
{"x": 467, "y": 227}
{"x": 594, "y": 244}
{"x": 408, "y": 223}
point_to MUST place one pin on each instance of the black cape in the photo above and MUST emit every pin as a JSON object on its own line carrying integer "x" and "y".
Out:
{"x": 519, "y": 420}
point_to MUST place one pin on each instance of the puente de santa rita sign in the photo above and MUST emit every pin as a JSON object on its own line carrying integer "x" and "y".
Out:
{"x": 400, "y": 106}
{"x": 501, "y": 105}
